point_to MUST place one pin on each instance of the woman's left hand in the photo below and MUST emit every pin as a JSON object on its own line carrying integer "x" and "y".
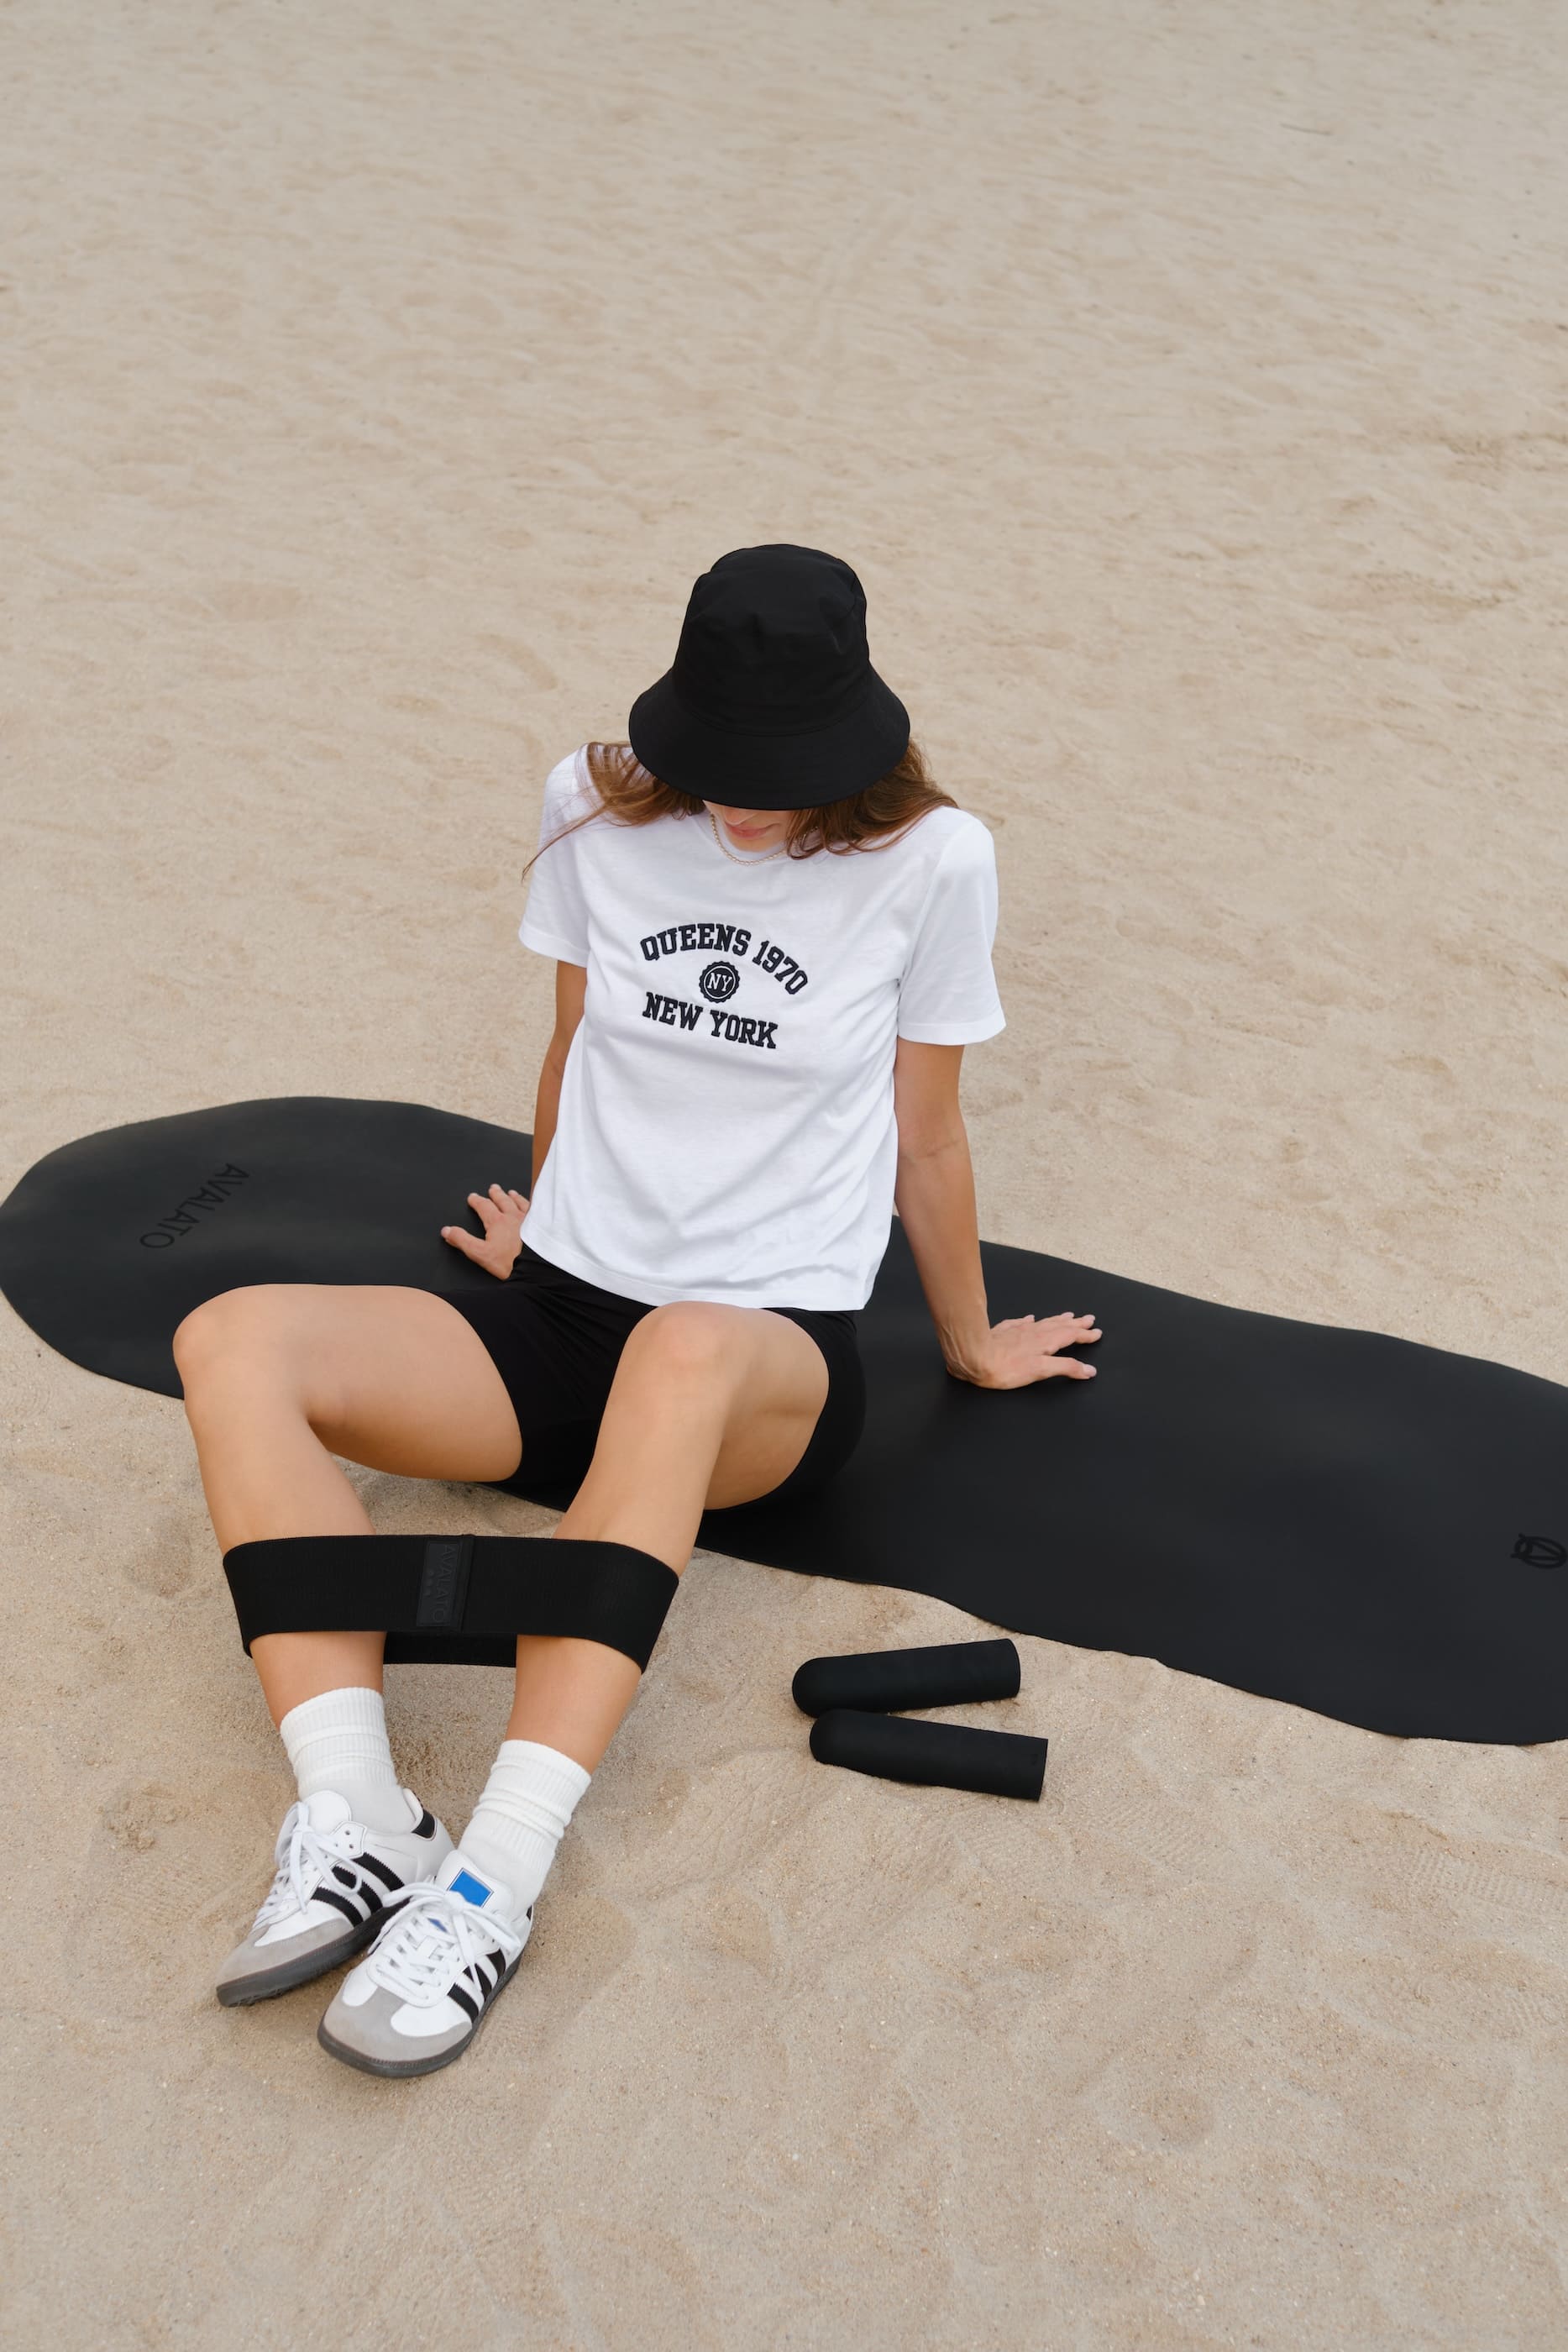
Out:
{"x": 1026, "y": 1347}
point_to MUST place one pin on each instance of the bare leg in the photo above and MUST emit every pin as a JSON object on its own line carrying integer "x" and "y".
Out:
{"x": 711, "y": 1405}
{"x": 278, "y": 1378}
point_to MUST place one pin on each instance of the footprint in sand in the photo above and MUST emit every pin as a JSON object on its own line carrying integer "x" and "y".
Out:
{"x": 134, "y": 1818}
{"x": 159, "y": 1558}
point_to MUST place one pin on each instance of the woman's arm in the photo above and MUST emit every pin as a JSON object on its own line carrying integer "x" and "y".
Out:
{"x": 935, "y": 1196}
{"x": 504, "y": 1214}
{"x": 570, "y": 982}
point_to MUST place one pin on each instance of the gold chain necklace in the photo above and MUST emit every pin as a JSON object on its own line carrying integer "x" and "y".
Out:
{"x": 743, "y": 861}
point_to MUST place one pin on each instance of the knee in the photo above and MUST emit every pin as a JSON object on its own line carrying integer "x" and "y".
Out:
{"x": 688, "y": 1341}
{"x": 227, "y": 1328}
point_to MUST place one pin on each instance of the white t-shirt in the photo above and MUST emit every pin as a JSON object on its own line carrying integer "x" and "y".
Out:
{"x": 727, "y": 1127}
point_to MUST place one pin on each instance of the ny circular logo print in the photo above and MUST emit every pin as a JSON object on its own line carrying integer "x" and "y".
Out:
{"x": 718, "y": 982}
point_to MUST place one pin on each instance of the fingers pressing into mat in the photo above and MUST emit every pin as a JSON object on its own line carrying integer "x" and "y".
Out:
{"x": 936, "y": 1755}
{"x": 946, "y": 1674}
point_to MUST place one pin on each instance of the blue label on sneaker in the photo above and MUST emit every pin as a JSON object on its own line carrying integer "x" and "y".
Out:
{"x": 473, "y": 1890}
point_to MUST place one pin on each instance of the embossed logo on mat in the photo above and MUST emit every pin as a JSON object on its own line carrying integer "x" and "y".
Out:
{"x": 213, "y": 1194}
{"x": 1539, "y": 1551}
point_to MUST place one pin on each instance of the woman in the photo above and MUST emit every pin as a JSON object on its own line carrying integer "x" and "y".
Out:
{"x": 772, "y": 941}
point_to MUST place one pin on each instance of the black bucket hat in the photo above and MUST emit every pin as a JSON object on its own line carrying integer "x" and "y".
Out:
{"x": 772, "y": 701}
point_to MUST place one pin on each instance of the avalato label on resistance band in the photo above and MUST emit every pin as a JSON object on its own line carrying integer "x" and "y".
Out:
{"x": 444, "y": 1583}
{"x": 212, "y": 1195}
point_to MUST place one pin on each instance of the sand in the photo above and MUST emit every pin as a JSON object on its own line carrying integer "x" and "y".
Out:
{"x": 1186, "y": 384}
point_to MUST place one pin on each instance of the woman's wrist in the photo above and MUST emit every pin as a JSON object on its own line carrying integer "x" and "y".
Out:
{"x": 964, "y": 1347}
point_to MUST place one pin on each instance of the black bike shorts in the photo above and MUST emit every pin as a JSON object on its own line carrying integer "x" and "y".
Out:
{"x": 556, "y": 1342}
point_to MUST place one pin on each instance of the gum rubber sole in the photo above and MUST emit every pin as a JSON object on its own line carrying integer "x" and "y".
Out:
{"x": 398, "y": 2070}
{"x": 265, "y": 1984}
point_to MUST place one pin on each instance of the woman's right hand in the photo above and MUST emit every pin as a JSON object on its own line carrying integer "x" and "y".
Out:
{"x": 501, "y": 1213}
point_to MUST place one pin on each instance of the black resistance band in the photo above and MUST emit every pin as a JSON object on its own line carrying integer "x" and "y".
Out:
{"x": 452, "y": 1600}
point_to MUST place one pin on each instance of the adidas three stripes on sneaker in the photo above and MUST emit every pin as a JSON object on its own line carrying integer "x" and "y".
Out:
{"x": 335, "y": 1881}
{"x": 420, "y": 1997}
{"x": 360, "y": 1861}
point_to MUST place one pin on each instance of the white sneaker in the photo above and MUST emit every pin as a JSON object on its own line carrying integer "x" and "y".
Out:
{"x": 335, "y": 1883}
{"x": 422, "y": 1995}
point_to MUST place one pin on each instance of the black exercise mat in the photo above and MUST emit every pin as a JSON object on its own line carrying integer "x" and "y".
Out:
{"x": 1357, "y": 1524}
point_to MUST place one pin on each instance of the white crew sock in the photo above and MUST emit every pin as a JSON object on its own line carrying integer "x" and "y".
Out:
{"x": 519, "y": 1820}
{"x": 340, "y": 1741}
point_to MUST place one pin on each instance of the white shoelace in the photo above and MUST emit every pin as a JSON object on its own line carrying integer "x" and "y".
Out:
{"x": 435, "y": 1938}
{"x": 305, "y": 1856}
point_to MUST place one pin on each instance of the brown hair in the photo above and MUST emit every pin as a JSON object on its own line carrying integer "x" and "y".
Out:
{"x": 628, "y": 794}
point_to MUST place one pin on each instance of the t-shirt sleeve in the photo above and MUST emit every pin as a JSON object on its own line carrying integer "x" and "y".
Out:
{"x": 555, "y": 922}
{"x": 949, "y": 992}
